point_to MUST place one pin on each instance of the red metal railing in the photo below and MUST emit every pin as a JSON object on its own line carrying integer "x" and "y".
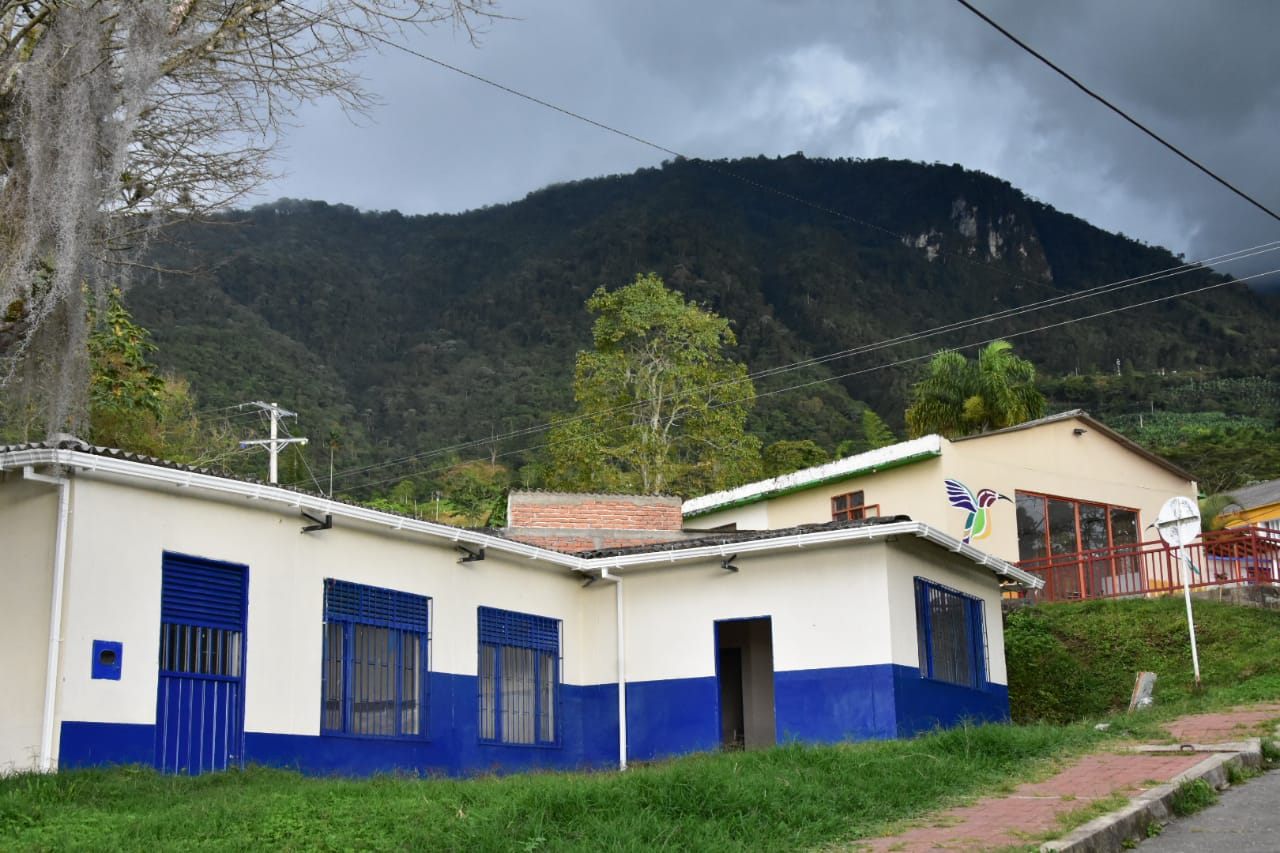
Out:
{"x": 1241, "y": 555}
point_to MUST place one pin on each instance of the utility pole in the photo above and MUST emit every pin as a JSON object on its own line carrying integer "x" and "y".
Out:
{"x": 274, "y": 444}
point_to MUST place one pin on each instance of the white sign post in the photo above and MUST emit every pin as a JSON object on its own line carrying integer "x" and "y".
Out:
{"x": 1179, "y": 523}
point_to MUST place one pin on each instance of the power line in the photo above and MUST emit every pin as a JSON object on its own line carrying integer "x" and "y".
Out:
{"x": 1005, "y": 314}
{"x": 859, "y": 372}
{"x": 899, "y": 362}
{"x": 1043, "y": 328}
{"x": 1053, "y": 302}
{"x": 295, "y": 442}
{"x": 728, "y": 173}
{"x": 1124, "y": 115}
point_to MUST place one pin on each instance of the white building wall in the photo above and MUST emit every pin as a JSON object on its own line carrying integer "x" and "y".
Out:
{"x": 30, "y": 511}
{"x": 114, "y": 594}
{"x": 915, "y": 559}
{"x": 829, "y": 606}
{"x": 836, "y": 605}
{"x": 750, "y": 517}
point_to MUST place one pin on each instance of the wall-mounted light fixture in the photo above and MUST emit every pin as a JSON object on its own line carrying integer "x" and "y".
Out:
{"x": 469, "y": 556}
{"x": 1079, "y": 431}
{"x": 727, "y": 563}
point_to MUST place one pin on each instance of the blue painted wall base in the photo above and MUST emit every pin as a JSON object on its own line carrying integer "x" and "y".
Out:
{"x": 84, "y": 744}
{"x": 664, "y": 718}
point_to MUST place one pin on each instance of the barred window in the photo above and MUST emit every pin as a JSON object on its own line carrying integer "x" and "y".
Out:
{"x": 375, "y": 661}
{"x": 519, "y": 675}
{"x": 951, "y": 635}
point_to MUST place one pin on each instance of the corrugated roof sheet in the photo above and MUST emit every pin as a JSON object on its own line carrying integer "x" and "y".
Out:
{"x": 1256, "y": 495}
{"x": 730, "y": 537}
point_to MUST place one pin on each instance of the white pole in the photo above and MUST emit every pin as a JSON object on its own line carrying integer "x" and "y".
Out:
{"x": 55, "y": 615}
{"x": 1191, "y": 622}
{"x": 274, "y": 443}
{"x": 622, "y": 681}
{"x": 273, "y": 448}
{"x": 622, "y": 667}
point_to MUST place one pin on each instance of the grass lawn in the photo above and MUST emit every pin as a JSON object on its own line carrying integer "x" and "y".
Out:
{"x": 788, "y": 798}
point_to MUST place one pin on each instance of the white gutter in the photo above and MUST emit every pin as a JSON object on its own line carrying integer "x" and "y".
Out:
{"x": 801, "y": 540}
{"x": 55, "y": 613}
{"x": 95, "y": 464}
{"x": 622, "y": 669}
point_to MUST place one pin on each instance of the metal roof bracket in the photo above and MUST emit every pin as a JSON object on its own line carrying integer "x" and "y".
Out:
{"x": 325, "y": 523}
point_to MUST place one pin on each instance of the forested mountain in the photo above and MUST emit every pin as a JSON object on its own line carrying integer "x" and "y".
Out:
{"x": 393, "y": 335}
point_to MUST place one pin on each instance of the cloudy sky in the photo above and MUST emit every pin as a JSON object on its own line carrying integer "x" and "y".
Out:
{"x": 916, "y": 79}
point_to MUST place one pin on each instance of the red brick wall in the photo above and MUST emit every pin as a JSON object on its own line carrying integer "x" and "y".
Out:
{"x": 594, "y": 512}
{"x": 588, "y": 522}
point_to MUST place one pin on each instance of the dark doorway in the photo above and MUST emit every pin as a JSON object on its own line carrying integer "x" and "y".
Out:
{"x": 744, "y": 658}
{"x": 732, "y": 722}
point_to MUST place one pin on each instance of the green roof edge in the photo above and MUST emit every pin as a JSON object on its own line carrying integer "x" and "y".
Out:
{"x": 835, "y": 478}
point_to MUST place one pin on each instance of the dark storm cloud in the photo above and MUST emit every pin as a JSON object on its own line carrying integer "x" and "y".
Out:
{"x": 923, "y": 80}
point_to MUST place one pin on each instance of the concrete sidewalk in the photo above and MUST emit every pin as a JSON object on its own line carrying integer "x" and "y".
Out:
{"x": 1204, "y": 745}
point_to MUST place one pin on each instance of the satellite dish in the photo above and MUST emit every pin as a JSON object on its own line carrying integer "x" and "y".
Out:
{"x": 1179, "y": 521}
{"x": 1178, "y": 524}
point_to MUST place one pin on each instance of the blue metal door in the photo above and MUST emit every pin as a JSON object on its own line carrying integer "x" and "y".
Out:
{"x": 200, "y": 701}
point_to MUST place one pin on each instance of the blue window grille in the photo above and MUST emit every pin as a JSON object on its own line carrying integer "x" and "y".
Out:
{"x": 951, "y": 635}
{"x": 375, "y": 661}
{"x": 519, "y": 679}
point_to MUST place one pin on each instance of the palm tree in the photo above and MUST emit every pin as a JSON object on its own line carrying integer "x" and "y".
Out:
{"x": 960, "y": 397}
{"x": 1211, "y": 507}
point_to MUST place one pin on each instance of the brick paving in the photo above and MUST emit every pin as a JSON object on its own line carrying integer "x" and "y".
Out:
{"x": 1032, "y": 809}
{"x": 1235, "y": 724}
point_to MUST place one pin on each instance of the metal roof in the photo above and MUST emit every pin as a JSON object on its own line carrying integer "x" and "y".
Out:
{"x": 1255, "y": 495}
{"x": 95, "y": 461}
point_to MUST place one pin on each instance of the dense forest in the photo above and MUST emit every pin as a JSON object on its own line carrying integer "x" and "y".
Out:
{"x": 438, "y": 340}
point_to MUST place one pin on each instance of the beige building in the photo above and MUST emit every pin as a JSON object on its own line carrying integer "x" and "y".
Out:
{"x": 1035, "y": 492}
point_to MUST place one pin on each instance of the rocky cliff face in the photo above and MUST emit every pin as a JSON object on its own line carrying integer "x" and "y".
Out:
{"x": 998, "y": 236}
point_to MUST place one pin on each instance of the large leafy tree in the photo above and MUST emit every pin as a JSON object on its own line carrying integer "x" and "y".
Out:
{"x": 661, "y": 406}
{"x": 118, "y": 115}
{"x": 959, "y": 396}
{"x": 133, "y": 406}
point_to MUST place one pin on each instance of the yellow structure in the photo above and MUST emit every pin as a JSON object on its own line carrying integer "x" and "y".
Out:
{"x": 1255, "y": 506}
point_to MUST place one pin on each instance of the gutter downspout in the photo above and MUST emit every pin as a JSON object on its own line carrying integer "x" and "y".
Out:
{"x": 55, "y": 612}
{"x": 622, "y": 670}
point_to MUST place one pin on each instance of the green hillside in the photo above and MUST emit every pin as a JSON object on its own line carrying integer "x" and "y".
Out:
{"x": 396, "y": 335}
{"x": 1076, "y": 660}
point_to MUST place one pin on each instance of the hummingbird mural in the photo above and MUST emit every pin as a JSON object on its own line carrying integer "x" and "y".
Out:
{"x": 978, "y": 524}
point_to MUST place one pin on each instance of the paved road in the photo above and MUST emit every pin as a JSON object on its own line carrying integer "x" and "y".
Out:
{"x": 1245, "y": 820}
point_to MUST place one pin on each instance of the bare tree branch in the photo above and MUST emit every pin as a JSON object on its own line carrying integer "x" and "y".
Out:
{"x": 118, "y": 116}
